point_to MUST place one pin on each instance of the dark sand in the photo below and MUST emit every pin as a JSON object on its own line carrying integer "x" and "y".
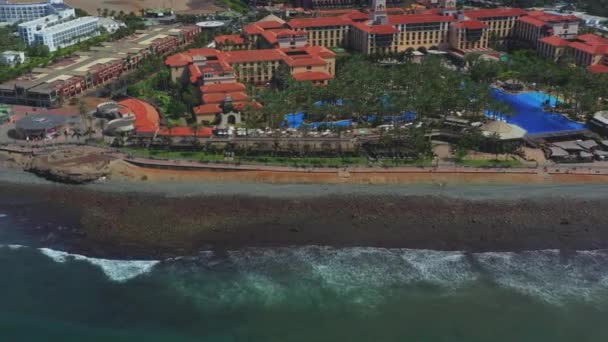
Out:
{"x": 139, "y": 225}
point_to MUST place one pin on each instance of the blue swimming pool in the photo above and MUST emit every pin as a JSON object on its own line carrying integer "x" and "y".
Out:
{"x": 529, "y": 115}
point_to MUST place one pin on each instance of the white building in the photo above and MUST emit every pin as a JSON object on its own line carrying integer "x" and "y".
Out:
{"x": 19, "y": 12}
{"x": 12, "y": 57}
{"x": 28, "y": 29}
{"x": 67, "y": 33}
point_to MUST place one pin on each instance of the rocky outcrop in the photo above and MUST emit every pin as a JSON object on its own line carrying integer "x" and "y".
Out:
{"x": 76, "y": 165}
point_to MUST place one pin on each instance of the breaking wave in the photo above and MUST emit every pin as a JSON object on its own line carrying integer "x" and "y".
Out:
{"x": 368, "y": 275}
{"x": 117, "y": 270}
{"x": 363, "y": 276}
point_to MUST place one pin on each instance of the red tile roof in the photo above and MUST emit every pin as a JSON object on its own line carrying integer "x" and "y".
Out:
{"x": 376, "y": 29}
{"x": 591, "y": 49}
{"x": 232, "y": 38}
{"x": 319, "y": 22}
{"x": 471, "y": 25}
{"x": 220, "y": 97}
{"x": 357, "y": 15}
{"x": 243, "y": 56}
{"x": 195, "y": 73}
{"x": 494, "y": 12}
{"x": 312, "y": 76}
{"x": 320, "y": 51}
{"x": 540, "y": 18}
{"x": 178, "y": 60}
{"x": 223, "y": 88}
{"x": 271, "y": 24}
{"x": 147, "y": 117}
{"x": 418, "y": 19}
{"x": 598, "y": 69}
{"x": 532, "y": 21}
{"x": 208, "y": 109}
{"x": 554, "y": 41}
{"x": 253, "y": 29}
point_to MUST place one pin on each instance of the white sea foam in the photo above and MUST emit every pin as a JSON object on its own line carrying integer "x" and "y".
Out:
{"x": 116, "y": 270}
{"x": 547, "y": 275}
{"x": 2, "y": 215}
{"x": 12, "y": 246}
{"x": 363, "y": 274}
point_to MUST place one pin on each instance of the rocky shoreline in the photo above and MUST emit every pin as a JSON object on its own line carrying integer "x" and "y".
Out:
{"x": 139, "y": 225}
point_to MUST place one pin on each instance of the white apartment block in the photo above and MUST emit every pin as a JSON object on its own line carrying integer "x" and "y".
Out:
{"x": 28, "y": 29}
{"x": 67, "y": 33}
{"x": 20, "y": 12}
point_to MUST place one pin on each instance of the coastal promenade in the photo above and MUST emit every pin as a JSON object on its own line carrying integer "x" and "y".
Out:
{"x": 128, "y": 167}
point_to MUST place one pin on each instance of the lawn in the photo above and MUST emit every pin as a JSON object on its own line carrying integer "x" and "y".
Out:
{"x": 490, "y": 163}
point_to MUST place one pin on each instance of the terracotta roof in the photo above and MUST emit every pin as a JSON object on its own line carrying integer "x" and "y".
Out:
{"x": 243, "y": 56}
{"x": 233, "y": 38}
{"x": 591, "y": 49}
{"x": 376, "y": 29}
{"x": 598, "y": 69}
{"x": 305, "y": 61}
{"x": 532, "y": 21}
{"x": 271, "y": 24}
{"x": 147, "y": 117}
{"x": 540, "y": 18}
{"x": 494, "y": 12}
{"x": 357, "y": 15}
{"x": 195, "y": 73}
{"x": 418, "y": 19}
{"x": 220, "y": 97}
{"x": 253, "y": 29}
{"x": 223, "y": 88}
{"x": 554, "y": 41}
{"x": 206, "y": 109}
{"x": 272, "y": 35}
{"x": 319, "y": 22}
{"x": 471, "y": 25}
{"x": 312, "y": 76}
{"x": 178, "y": 60}
{"x": 320, "y": 51}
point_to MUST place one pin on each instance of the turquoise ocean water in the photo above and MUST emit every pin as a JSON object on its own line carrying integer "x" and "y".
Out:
{"x": 303, "y": 294}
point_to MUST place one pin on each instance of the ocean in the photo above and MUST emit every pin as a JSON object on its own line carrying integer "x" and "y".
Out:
{"x": 310, "y": 293}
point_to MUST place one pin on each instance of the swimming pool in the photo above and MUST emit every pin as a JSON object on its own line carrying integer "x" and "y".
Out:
{"x": 529, "y": 115}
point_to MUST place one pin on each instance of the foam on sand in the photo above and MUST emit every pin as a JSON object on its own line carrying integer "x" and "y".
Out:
{"x": 116, "y": 270}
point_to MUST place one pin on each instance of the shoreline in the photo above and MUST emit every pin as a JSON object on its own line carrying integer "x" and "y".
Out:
{"x": 109, "y": 220}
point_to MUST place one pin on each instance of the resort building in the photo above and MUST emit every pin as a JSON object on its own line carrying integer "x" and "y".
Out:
{"x": 537, "y": 24}
{"x": 19, "y": 12}
{"x": 53, "y": 84}
{"x": 221, "y": 75}
{"x": 587, "y": 50}
{"x": 269, "y": 32}
{"x": 211, "y": 66}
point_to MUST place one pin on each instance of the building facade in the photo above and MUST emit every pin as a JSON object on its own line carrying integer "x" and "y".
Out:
{"x": 64, "y": 34}
{"x": 19, "y": 12}
{"x": 50, "y": 86}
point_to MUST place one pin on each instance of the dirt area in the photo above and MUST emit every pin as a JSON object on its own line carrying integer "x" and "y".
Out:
{"x": 127, "y": 172}
{"x": 180, "y": 6}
